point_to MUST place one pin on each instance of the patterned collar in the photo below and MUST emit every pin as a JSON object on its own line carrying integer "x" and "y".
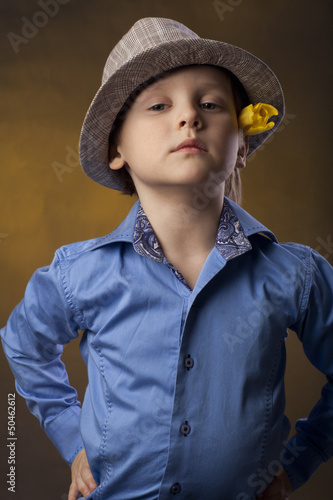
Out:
{"x": 231, "y": 239}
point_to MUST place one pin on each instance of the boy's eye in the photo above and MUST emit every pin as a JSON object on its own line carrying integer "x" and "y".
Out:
{"x": 209, "y": 105}
{"x": 157, "y": 107}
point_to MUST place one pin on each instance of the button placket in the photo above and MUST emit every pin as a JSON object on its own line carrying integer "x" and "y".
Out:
{"x": 185, "y": 428}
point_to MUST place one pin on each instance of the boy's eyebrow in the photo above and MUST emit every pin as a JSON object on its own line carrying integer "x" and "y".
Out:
{"x": 214, "y": 86}
{"x": 206, "y": 86}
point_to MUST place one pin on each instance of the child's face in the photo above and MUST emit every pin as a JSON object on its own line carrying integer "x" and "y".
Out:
{"x": 191, "y": 103}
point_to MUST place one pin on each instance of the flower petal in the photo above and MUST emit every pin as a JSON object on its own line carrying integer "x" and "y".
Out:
{"x": 254, "y": 119}
{"x": 246, "y": 116}
{"x": 258, "y": 129}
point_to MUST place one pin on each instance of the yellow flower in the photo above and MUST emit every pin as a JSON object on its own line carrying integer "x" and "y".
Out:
{"x": 254, "y": 119}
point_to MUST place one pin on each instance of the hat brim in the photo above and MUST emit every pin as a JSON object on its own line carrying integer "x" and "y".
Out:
{"x": 257, "y": 78}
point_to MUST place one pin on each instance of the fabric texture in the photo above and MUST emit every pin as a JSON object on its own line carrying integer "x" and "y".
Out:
{"x": 151, "y": 47}
{"x": 186, "y": 392}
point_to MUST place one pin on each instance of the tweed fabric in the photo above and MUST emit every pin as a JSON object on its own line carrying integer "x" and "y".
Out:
{"x": 151, "y": 47}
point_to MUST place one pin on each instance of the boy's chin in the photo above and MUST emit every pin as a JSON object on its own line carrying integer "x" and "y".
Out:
{"x": 186, "y": 180}
{"x": 204, "y": 179}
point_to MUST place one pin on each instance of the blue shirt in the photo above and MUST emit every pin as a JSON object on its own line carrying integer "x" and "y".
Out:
{"x": 186, "y": 392}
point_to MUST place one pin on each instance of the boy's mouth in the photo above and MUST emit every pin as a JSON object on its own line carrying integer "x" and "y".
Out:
{"x": 191, "y": 146}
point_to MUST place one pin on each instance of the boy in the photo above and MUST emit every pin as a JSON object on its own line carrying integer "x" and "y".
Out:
{"x": 184, "y": 307}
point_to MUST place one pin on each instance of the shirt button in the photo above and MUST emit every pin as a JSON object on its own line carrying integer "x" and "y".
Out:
{"x": 189, "y": 363}
{"x": 175, "y": 488}
{"x": 185, "y": 429}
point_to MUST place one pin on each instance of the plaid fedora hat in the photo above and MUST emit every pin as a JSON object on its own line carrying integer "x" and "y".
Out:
{"x": 151, "y": 47}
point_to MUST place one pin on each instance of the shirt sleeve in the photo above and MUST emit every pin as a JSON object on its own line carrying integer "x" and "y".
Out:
{"x": 313, "y": 442}
{"x": 33, "y": 342}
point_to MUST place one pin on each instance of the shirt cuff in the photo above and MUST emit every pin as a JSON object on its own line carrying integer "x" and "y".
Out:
{"x": 300, "y": 460}
{"x": 64, "y": 432}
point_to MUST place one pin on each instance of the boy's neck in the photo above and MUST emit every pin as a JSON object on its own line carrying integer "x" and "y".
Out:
{"x": 185, "y": 225}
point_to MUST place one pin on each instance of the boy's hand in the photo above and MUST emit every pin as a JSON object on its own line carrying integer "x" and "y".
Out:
{"x": 279, "y": 489}
{"x": 82, "y": 478}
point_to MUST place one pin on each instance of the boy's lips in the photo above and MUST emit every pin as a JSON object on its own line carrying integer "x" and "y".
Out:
{"x": 191, "y": 145}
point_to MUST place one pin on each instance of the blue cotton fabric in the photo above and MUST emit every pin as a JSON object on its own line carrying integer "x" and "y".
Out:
{"x": 186, "y": 393}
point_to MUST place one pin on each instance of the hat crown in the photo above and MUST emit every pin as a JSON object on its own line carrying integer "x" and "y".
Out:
{"x": 145, "y": 34}
{"x": 152, "y": 47}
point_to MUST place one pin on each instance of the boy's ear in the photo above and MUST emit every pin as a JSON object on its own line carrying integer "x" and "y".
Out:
{"x": 117, "y": 161}
{"x": 242, "y": 152}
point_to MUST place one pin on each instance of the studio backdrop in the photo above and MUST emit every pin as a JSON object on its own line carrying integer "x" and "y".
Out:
{"x": 52, "y": 56}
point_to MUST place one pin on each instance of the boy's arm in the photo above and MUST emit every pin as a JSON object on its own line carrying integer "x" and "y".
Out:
{"x": 313, "y": 442}
{"x": 32, "y": 340}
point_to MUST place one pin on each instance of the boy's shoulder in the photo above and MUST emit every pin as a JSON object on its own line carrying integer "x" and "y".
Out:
{"x": 264, "y": 240}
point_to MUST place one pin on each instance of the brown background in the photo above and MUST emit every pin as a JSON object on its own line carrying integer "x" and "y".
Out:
{"x": 46, "y": 89}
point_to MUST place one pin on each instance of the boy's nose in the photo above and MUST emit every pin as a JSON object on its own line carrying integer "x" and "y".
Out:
{"x": 189, "y": 123}
{"x": 189, "y": 118}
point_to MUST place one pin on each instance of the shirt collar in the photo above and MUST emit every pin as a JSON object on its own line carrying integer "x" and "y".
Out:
{"x": 231, "y": 239}
{"x": 235, "y": 226}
